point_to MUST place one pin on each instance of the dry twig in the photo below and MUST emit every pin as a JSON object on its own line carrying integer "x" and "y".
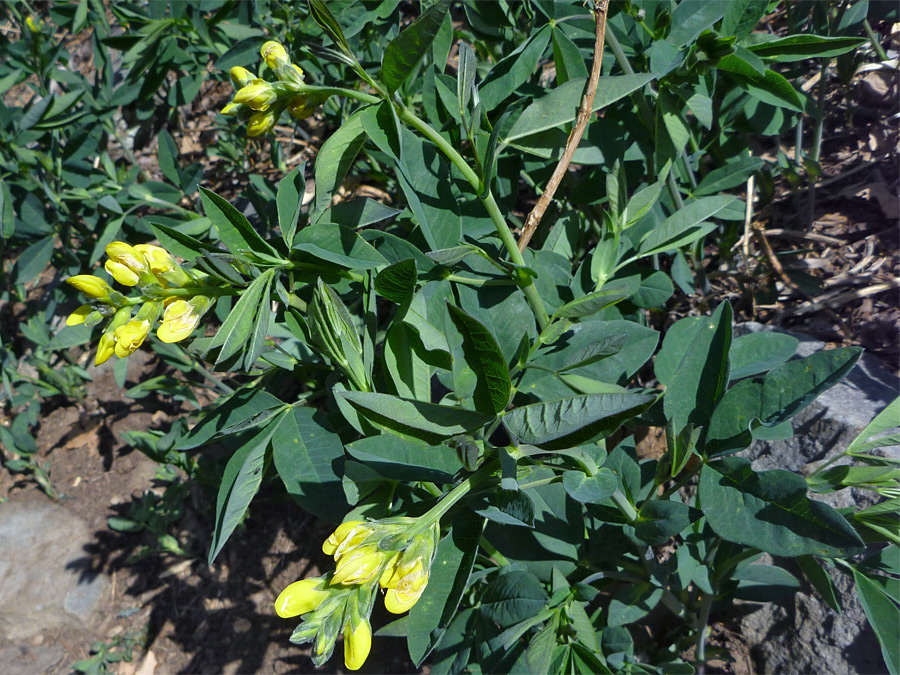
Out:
{"x": 585, "y": 111}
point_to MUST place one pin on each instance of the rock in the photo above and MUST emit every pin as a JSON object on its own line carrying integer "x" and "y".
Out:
{"x": 46, "y": 581}
{"x": 804, "y": 635}
{"x": 29, "y": 660}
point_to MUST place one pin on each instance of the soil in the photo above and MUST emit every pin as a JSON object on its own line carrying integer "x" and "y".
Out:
{"x": 183, "y": 616}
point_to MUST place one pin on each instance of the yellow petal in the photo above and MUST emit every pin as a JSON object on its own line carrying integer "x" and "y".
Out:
{"x": 79, "y": 315}
{"x": 91, "y": 286}
{"x": 240, "y": 76}
{"x": 159, "y": 259}
{"x": 131, "y": 336}
{"x": 105, "y": 349}
{"x": 122, "y": 273}
{"x": 260, "y": 123}
{"x": 357, "y": 644}
{"x": 329, "y": 546}
{"x": 300, "y": 597}
{"x": 359, "y": 566}
{"x": 127, "y": 255}
{"x": 274, "y": 54}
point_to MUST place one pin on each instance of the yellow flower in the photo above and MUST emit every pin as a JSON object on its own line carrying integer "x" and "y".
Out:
{"x": 91, "y": 286}
{"x": 405, "y": 586}
{"x": 122, "y": 273}
{"x": 34, "y": 26}
{"x": 79, "y": 315}
{"x": 258, "y": 96}
{"x": 346, "y": 536}
{"x": 105, "y": 349}
{"x": 260, "y": 123}
{"x": 274, "y": 54}
{"x": 157, "y": 257}
{"x": 357, "y": 644}
{"x": 231, "y": 109}
{"x": 179, "y": 321}
{"x": 298, "y": 109}
{"x": 131, "y": 336}
{"x": 240, "y": 76}
{"x": 359, "y": 566}
{"x": 300, "y": 597}
{"x": 128, "y": 255}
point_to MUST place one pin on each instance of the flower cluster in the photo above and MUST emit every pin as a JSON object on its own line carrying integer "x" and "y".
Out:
{"x": 166, "y": 289}
{"x": 393, "y": 553}
{"x": 261, "y": 102}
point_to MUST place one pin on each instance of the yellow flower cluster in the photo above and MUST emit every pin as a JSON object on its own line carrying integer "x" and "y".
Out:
{"x": 391, "y": 553}
{"x": 261, "y": 102}
{"x": 155, "y": 270}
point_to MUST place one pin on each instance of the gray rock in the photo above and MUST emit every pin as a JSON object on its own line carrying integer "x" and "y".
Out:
{"x": 804, "y": 635}
{"x": 46, "y": 581}
{"x": 29, "y": 660}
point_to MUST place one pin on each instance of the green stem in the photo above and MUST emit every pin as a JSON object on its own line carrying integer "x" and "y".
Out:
{"x": 624, "y": 506}
{"x": 876, "y": 43}
{"x": 703, "y": 620}
{"x": 436, "y": 512}
{"x": 685, "y": 477}
{"x": 498, "y": 557}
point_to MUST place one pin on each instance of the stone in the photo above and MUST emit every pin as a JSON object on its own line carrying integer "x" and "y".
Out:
{"x": 29, "y": 660}
{"x": 46, "y": 579}
{"x": 803, "y": 634}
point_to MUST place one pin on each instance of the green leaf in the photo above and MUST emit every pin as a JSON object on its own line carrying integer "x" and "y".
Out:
{"x": 513, "y": 71}
{"x": 34, "y": 260}
{"x": 567, "y": 58}
{"x": 239, "y": 323}
{"x": 71, "y": 336}
{"x": 179, "y": 243}
{"x": 692, "y": 18}
{"x": 383, "y": 127}
{"x": 776, "y": 397}
{"x": 592, "y": 302}
{"x": 770, "y": 87}
{"x": 450, "y": 571}
{"x": 802, "y": 47}
{"x": 359, "y": 213}
{"x": 409, "y": 372}
{"x": 397, "y": 282}
{"x": 405, "y": 51}
{"x": 658, "y": 521}
{"x": 339, "y": 245}
{"x": 632, "y": 602}
{"x": 728, "y": 176}
{"x": 683, "y": 226}
{"x": 513, "y": 597}
{"x": 590, "y": 489}
{"x": 244, "y": 409}
{"x": 234, "y": 229}
{"x": 572, "y": 421}
{"x": 400, "y": 459}
{"x": 483, "y": 356}
{"x": 770, "y": 511}
{"x": 334, "y": 159}
{"x": 764, "y": 583}
{"x": 702, "y": 375}
{"x": 760, "y": 352}
{"x": 415, "y": 419}
{"x": 606, "y": 347}
{"x": 820, "y": 580}
{"x": 167, "y": 152}
{"x": 560, "y": 105}
{"x": 507, "y": 507}
{"x": 742, "y": 16}
{"x": 308, "y": 456}
{"x": 884, "y": 617}
{"x": 320, "y": 13}
{"x": 240, "y": 483}
{"x": 886, "y": 419}
{"x": 289, "y": 199}
{"x": 465, "y": 76}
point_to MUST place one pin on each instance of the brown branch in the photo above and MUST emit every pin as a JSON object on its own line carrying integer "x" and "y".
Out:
{"x": 585, "y": 111}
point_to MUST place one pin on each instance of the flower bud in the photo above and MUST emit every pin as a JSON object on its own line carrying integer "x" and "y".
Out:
{"x": 300, "y": 597}
{"x": 274, "y": 54}
{"x": 357, "y": 643}
{"x": 346, "y": 536}
{"x": 260, "y": 123}
{"x": 127, "y": 255}
{"x": 241, "y": 77}
{"x": 406, "y": 586}
{"x": 258, "y": 96}
{"x": 122, "y": 273}
{"x": 232, "y": 108}
{"x": 91, "y": 286}
{"x": 163, "y": 265}
{"x": 359, "y": 565}
{"x": 107, "y": 346}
